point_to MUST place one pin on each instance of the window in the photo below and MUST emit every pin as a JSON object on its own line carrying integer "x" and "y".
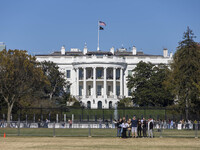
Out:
{"x": 80, "y": 90}
{"x": 68, "y": 73}
{"x": 110, "y": 105}
{"x": 99, "y": 105}
{"x": 118, "y": 90}
{"x": 89, "y": 90}
{"x": 109, "y": 74}
{"x": 99, "y": 90}
{"x": 99, "y": 73}
{"x": 68, "y": 89}
{"x": 80, "y": 74}
{"x": 130, "y": 73}
{"x": 88, "y": 104}
{"x": 129, "y": 92}
{"x": 109, "y": 90}
{"x": 89, "y": 74}
{"x": 118, "y": 74}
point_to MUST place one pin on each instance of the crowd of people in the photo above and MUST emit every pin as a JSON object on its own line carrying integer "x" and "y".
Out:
{"x": 134, "y": 127}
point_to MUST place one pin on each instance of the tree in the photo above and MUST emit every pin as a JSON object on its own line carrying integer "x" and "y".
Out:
{"x": 20, "y": 75}
{"x": 184, "y": 75}
{"x": 147, "y": 85}
{"x": 58, "y": 84}
{"x": 125, "y": 102}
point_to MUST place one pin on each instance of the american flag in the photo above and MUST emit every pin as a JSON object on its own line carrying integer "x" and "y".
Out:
{"x": 101, "y": 23}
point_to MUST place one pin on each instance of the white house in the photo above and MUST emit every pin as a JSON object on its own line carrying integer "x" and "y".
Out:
{"x": 98, "y": 78}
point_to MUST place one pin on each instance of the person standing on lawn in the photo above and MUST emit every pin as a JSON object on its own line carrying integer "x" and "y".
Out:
{"x": 124, "y": 129}
{"x": 119, "y": 122}
{"x": 139, "y": 128}
{"x": 144, "y": 127}
{"x": 150, "y": 128}
{"x": 129, "y": 128}
{"x": 134, "y": 127}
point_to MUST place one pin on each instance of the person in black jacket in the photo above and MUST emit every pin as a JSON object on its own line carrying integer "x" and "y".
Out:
{"x": 119, "y": 122}
{"x": 150, "y": 128}
{"x": 139, "y": 128}
{"x": 144, "y": 127}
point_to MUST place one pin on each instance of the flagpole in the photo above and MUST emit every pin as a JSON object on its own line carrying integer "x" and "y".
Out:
{"x": 98, "y": 37}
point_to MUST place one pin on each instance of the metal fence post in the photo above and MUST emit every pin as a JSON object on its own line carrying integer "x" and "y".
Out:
{"x": 196, "y": 129}
{"x": 54, "y": 132}
{"x": 18, "y": 131}
{"x": 161, "y": 130}
{"x": 89, "y": 131}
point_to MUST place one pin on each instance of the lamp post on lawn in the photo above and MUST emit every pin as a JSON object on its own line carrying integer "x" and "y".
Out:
{"x": 103, "y": 113}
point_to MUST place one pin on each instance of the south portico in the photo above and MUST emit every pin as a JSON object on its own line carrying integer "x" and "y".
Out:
{"x": 99, "y": 85}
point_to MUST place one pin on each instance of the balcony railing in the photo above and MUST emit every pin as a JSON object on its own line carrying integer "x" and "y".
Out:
{"x": 110, "y": 96}
{"x": 89, "y": 96}
{"x": 89, "y": 59}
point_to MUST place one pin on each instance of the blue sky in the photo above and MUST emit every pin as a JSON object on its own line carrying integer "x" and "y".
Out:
{"x": 43, "y": 26}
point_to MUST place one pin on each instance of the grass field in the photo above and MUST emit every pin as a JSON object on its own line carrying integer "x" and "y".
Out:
{"x": 86, "y": 143}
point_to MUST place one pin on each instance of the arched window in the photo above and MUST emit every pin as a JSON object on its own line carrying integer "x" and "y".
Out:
{"x": 88, "y": 104}
{"x": 99, "y": 105}
{"x": 110, "y": 104}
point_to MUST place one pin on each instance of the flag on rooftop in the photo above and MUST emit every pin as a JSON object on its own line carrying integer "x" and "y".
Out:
{"x": 101, "y": 23}
{"x": 101, "y": 28}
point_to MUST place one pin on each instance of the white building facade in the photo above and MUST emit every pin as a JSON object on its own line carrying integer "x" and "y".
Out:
{"x": 99, "y": 78}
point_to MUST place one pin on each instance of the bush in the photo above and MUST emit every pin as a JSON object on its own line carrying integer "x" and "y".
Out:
{"x": 121, "y": 105}
{"x": 76, "y": 104}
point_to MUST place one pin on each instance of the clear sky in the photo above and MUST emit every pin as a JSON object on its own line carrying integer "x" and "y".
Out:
{"x": 43, "y": 26}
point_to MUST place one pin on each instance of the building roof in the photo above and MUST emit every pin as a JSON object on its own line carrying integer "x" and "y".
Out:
{"x": 80, "y": 53}
{"x": 58, "y": 53}
{"x": 99, "y": 53}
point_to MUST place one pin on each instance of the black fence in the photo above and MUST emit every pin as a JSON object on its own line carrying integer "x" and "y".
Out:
{"x": 63, "y": 114}
{"x": 185, "y": 129}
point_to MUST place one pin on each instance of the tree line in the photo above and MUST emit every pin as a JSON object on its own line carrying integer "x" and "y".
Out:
{"x": 25, "y": 82}
{"x": 176, "y": 85}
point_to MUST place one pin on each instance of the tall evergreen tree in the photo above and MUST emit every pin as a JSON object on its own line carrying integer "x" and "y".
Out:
{"x": 184, "y": 76}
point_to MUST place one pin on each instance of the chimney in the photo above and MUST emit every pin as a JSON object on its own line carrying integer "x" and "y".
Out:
{"x": 171, "y": 55}
{"x": 112, "y": 50}
{"x": 134, "y": 50}
{"x": 85, "y": 50}
{"x": 165, "y": 52}
{"x": 62, "y": 50}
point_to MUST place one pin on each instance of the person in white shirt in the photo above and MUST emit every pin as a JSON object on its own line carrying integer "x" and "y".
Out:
{"x": 124, "y": 127}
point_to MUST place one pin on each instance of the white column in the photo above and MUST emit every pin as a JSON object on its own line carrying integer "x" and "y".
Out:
{"x": 77, "y": 81}
{"x": 125, "y": 83}
{"x": 94, "y": 82}
{"x": 121, "y": 81}
{"x": 84, "y": 82}
{"x": 105, "y": 82}
{"x": 114, "y": 82}
{"x": 73, "y": 84}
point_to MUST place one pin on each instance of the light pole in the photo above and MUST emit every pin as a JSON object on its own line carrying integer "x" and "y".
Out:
{"x": 103, "y": 113}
